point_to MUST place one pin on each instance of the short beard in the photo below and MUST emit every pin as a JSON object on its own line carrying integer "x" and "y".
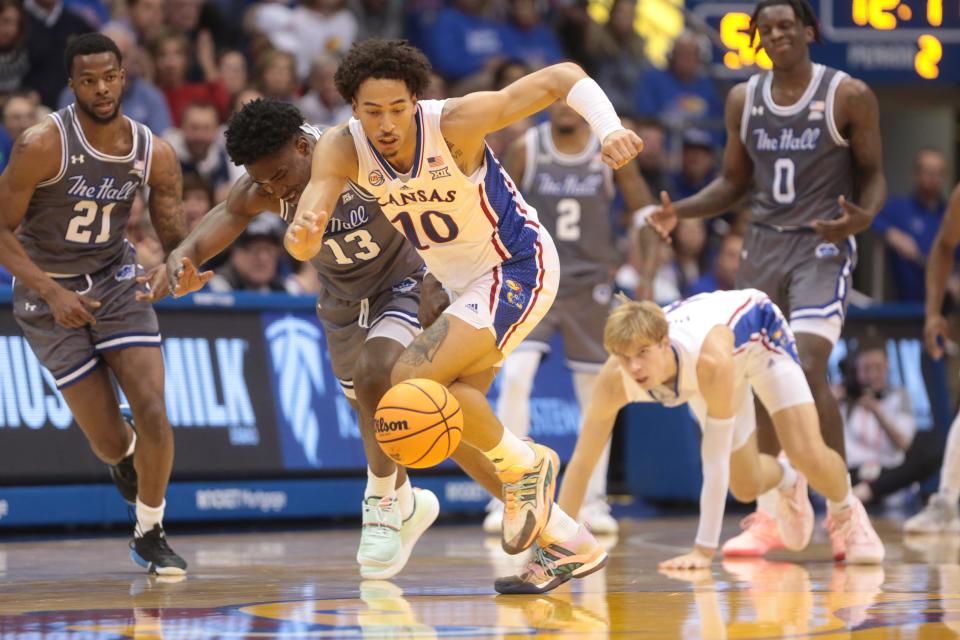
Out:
{"x": 97, "y": 117}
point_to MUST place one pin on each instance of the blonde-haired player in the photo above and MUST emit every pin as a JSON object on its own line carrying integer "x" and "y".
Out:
{"x": 715, "y": 351}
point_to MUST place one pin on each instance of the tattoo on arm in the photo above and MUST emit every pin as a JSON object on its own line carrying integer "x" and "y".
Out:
{"x": 166, "y": 207}
{"x": 425, "y": 347}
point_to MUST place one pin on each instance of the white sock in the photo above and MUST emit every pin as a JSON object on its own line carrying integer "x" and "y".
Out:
{"x": 835, "y": 508}
{"x": 380, "y": 487}
{"x": 405, "y": 498}
{"x": 950, "y": 469}
{"x": 767, "y": 502}
{"x": 511, "y": 451}
{"x": 560, "y": 526}
{"x": 789, "y": 479}
{"x": 133, "y": 444}
{"x": 148, "y": 517}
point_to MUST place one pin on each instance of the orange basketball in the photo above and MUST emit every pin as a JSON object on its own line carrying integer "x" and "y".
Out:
{"x": 418, "y": 423}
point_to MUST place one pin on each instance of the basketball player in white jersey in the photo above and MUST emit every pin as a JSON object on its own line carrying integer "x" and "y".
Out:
{"x": 428, "y": 166}
{"x": 716, "y": 351}
{"x": 940, "y": 514}
{"x": 558, "y": 168}
{"x": 804, "y": 141}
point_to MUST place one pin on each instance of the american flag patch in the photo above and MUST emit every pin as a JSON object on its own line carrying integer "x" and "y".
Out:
{"x": 435, "y": 162}
{"x": 818, "y": 105}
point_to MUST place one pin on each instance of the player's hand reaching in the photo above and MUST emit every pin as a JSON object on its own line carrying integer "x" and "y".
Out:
{"x": 71, "y": 309}
{"x": 155, "y": 282}
{"x": 852, "y": 220}
{"x": 699, "y": 558}
{"x": 433, "y": 300}
{"x": 305, "y": 235}
{"x": 620, "y": 147}
{"x": 663, "y": 218}
{"x": 935, "y": 335}
{"x": 184, "y": 278}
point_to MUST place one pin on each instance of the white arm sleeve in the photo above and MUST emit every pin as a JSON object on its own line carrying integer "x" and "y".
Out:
{"x": 715, "y": 452}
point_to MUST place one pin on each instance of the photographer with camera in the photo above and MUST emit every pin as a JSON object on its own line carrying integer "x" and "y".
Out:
{"x": 885, "y": 452}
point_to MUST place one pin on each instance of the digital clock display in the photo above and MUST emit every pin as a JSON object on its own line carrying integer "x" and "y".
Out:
{"x": 885, "y": 41}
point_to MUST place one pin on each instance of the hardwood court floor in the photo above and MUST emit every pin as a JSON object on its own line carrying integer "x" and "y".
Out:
{"x": 306, "y": 585}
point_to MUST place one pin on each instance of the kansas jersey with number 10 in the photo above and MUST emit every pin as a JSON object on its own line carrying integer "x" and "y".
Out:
{"x": 462, "y": 226}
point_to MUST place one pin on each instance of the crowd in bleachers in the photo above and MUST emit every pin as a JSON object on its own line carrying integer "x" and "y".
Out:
{"x": 191, "y": 63}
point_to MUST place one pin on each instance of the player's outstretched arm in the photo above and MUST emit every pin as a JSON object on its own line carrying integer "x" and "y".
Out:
{"x": 716, "y": 384}
{"x": 36, "y": 158}
{"x": 858, "y": 115}
{"x": 334, "y": 162}
{"x": 467, "y": 120}
{"x": 939, "y": 267}
{"x": 599, "y": 417}
{"x": 216, "y": 231}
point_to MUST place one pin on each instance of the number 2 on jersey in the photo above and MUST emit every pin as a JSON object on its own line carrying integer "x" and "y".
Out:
{"x": 784, "y": 174}
{"x": 568, "y": 220}
{"x": 78, "y": 230}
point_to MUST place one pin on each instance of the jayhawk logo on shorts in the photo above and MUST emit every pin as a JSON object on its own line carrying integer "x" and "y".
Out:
{"x": 515, "y": 295}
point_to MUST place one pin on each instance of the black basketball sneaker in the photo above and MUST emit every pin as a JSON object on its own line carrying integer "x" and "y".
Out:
{"x": 152, "y": 552}
{"x": 123, "y": 474}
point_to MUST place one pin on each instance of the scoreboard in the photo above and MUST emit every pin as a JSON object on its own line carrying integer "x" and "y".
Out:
{"x": 880, "y": 41}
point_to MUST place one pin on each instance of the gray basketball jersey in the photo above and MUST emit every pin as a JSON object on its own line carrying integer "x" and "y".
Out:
{"x": 801, "y": 163}
{"x": 76, "y": 221}
{"x": 572, "y": 195}
{"x": 362, "y": 253}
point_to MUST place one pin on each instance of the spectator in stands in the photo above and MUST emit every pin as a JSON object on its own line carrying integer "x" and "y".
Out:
{"x": 14, "y": 60}
{"x": 682, "y": 94}
{"x": 145, "y": 18}
{"x": 679, "y": 271}
{"x": 618, "y": 56}
{"x": 909, "y": 224}
{"x": 171, "y": 56}
{"x": 578, "y": 33}
{"x": 463, "y": 41}
{"x": 232, "y": 66}
{"x": 505, "y": 73}
{"x": 303, "y": 281}
{"x": 49, "y": 26}
{"x": 308, "y": 30}
{"x": 197, "y": 198}
{"x": 142, "y": 101}
{"x": 527, "y": 38}
{"x": 697, "y": 163}
{"x": 378, "y": 18}
{"x": 197, "y": 146}
{"x": 725, "y": 264}
{"x": 885, "y": 452}
{"x": 202, "y": 19}
{"x": 322, "y": 104}
{"x": 277, "y": 75}
{"x": 20, "y": 112}
{"x": 254, "y": 258}
{"x": 653, "y": 161}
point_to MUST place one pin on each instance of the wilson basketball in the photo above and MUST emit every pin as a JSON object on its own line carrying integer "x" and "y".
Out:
{"x": 418, "y": 423}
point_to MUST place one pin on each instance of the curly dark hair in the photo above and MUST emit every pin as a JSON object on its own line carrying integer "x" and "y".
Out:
{"x": 801, "y": 8}
{"x": 261, "y": 129}
{"x": 385, "y": 60}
